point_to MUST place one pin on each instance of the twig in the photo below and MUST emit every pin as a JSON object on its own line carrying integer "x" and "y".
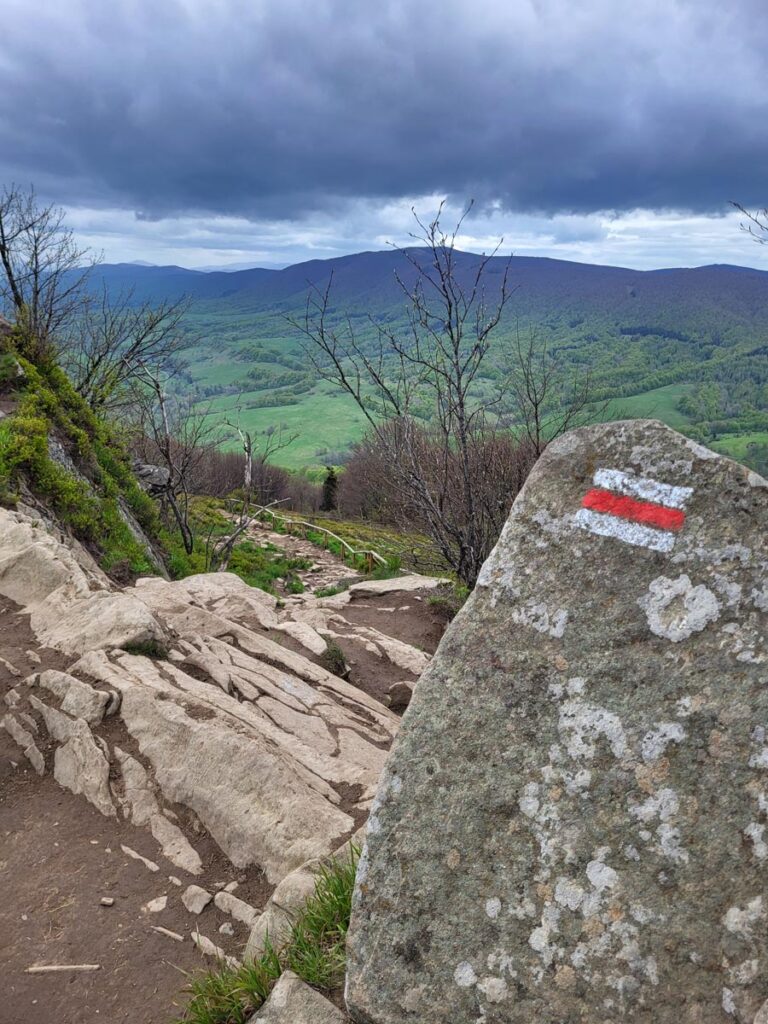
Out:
{"x": 57, "y": 968}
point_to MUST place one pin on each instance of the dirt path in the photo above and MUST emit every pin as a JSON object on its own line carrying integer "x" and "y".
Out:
{"x": 327, "y": 569}
{"x": 58, "y": 857}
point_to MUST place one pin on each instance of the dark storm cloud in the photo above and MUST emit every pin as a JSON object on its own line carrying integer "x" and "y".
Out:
{"x": 267, "y": 109}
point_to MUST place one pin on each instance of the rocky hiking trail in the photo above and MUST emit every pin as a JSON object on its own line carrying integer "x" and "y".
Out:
{"x": 174, "y": 759}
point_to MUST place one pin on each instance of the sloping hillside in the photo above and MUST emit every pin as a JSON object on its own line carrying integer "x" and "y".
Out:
{"x": 687, "y": 345}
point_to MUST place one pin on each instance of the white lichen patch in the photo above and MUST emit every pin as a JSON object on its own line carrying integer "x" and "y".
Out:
{"x": 582, "y": 725}
{"x": 656, "y": 741}
{"x": 676, "y": 609}
{"x": 464, "y": 975}
{"x": 495, "y": 990}
{"x": 759, "y": 757}
{"x": 662, "y": 806}
{"x": 755, "y": 831}
{"x": 569, "y": 894}
{"x": 741, "y": 920}
{"x": 493, "y": 907}
{"x": 541, "y": 618}
{"x": 601, "y": 876}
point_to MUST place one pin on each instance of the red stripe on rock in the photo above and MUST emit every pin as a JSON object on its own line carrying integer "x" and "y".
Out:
{"x": 636, "y": 511}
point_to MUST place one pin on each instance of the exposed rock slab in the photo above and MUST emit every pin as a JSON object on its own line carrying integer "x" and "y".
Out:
{"x": 292, "y": 1001}
{"x": 396, "y": 585}
{"x": 572, "y": 825}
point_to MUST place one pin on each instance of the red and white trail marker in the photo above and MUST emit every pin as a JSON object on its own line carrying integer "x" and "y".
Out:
{"x": 633, "y": 509}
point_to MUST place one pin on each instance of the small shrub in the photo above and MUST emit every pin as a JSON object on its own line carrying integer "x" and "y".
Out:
{"x": 388, "y": 571}
{"x": 332, "y": 659}
{"x": 148, "y": 649}
{"x": 294, "y": 585}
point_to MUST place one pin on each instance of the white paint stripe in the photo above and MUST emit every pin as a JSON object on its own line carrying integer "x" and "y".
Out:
{"x": 642, "y": 487}
{"x": 621, "y": 529}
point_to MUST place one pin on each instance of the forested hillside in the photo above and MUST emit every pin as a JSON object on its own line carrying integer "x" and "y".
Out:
{"x": 689, "y": 346}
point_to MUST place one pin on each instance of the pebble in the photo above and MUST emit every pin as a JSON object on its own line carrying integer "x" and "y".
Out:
{"x": 196, "y": 899}
{"x": 226, "y": 929}
{"x": 156, "y": 905}
{"x": 107, "y": 901}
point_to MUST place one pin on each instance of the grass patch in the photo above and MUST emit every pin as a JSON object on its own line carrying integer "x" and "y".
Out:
{"x": 87, "y": 500}
{"x": 332, "y": 659}
{"x": 339, "y": 588}
{"x": 315, "y": 951}
{"x": 148, "y": 649}
{"x": 415, "y": 552}
{"x": 448, "y": 600}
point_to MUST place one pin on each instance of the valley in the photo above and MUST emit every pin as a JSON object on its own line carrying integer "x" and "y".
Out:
{"x": 688, "y": 346}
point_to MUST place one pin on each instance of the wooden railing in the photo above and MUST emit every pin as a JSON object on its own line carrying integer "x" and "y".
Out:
{"x": 291, "y": 525}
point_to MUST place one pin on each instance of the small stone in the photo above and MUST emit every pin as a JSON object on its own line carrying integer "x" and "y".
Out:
{"x": 4, "y": 663}
{"x": 399, "y": 695}
{"x": 156, "y": 905}
{"x": 174, "y": 880}
{"x": 168, "y": 932}
{"x": 292, "y": 1001}
{"x": 34, "y": 657}
{"x": 236, "y": 908}
{"x": 196, "y": 899}
{"x": 107, "y": 901}
{"x": 226, "y": 928}
{"x": 150, "y": 864}
{"x": 209, "y": 948}
{"x": 231, "y": 886}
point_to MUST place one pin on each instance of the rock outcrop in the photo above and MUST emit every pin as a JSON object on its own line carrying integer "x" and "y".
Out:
{"x": 573, "y": 823}
{"x": 177, "y": 694}
{"x": 294, "y": 1002}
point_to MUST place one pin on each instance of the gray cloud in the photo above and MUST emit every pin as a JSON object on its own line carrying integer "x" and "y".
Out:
{"x": 271, "y": 110}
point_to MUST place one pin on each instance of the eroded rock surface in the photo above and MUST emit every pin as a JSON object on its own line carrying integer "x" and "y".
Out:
{"x": 573, "y": 825}
{"x": 272, "y": 755}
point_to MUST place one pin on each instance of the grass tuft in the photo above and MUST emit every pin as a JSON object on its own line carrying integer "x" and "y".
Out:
{"x": 332, "y": 659}
{"x": 315, "y": 951}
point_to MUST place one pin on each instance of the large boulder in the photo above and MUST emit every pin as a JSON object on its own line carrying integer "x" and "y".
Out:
{"x": 572, "y": 824}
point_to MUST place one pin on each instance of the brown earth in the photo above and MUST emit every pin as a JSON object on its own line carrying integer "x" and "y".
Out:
{"x": 59, "y": 856}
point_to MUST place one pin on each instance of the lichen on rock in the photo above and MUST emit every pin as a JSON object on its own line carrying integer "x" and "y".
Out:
{"x": 578, "y": 829}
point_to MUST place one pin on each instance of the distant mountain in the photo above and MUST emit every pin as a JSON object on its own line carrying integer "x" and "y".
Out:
{"x": 370, "y": 278}
{"x": 150, "y": 283}
{"x": 687, "y": 345}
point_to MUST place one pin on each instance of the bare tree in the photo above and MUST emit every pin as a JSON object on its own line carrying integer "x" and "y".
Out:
{"x": 756, "y": 223}
{"x": 436, "y": 427}
{"x": 43, "y": 271}
{"x": 176, "y": 432}
{"x": 545, "y": 405}
{"x": 221, "y": 550}
{"x": 113, "y": 341}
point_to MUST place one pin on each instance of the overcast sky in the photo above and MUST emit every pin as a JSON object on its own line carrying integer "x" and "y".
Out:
{"x": 211, "y": 132}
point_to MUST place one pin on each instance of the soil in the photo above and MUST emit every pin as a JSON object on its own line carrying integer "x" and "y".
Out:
{"x": 327, "y": 570}
{"x": 58, "y": 858}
